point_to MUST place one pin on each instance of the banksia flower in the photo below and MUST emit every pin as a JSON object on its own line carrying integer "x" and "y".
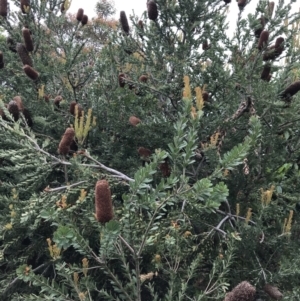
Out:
{"x": 260, "y": 27}
{"x": 11, "y": 44}
{"x": 73, "y": 105}
{"x": 271, "y": 8}
{"x": 66, "y": 141}
{"x": 165, "y": 169}
{"x": 141, "y": 24}
{"x": 3, "y": 8}
{"x": 205, "y": 96}
{"x": 144, "y": 152}
{"x": 266, "y": 72}
{"x": 134, "y": 120}
{"x": 124, "y": 22}
{"x": 205, "y": 45}
{"x": 79, "y": 14}
{"x": 13, "y": 109}
{"x": 263, "y": 39}
{"x": 24, "y": 55}
{"x": 122, "y": 77}
{"x": 143, "y": 78}
{"x": 242, "y": 3}
{"x": 273, "y": 292}
{"x": 1, "y": 60}
{"x": 27, "y": 39}
{"x": 84, "y": 20}
{"x": 152, "y": 10}
{"x": 290, "y": 91}
{"x": 30, "y": 72}
{"x": 103, "y": 202}
{"x": 25, "y": 6}
{"x": 242, "y": 292}
{"x": 19, "y": 103}
{"x": 57, "y": 100}
{"x": 62, "y": 7}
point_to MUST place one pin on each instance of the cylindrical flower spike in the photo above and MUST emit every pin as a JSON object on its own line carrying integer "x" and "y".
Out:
{"x": 13, "y": 109}
{"x": 25, "y": 6}
{"x": 66, "y": 141}
{"x": 24, "y": 55}
{"x": 242, "y": 3}
{"x": 84, "y": 20}
{"x": 242, "y": 292}
{"x": 30, "y": 72}
{"x": 79, "y": 14}
{"x": 152, "y": 10}
{"x": 103, "y": 202}
{"x": 290, "y": 91}
{"x": 1, "y": 60}
{"x": 124, "y": 22}
{"x": 144, "y": 152}
{"x": 27, "y": 39}
{"x": 258, "y": 30}
{"x": 263, "y": 39}
{"x": 3, "y": 8}
{"x": 134, "y": 120}
{"x": 273, "y": 292}
{"x": 266, "y": 72}
{"x": 271, "y": 8}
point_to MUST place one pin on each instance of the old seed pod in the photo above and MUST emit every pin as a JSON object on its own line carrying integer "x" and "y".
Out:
{"x": 25, "y": 6}
{"x": 143, "y": 78}
{"x": 271, "y": 8}
{"x": 24, "y": 55}
{"x": 242, "y": 4}
{"x": 242, "y": 292}
{"x": 57, "y": 100}
{"x": 134, "y": 120}
{"x": 3, "y": 8}
{"x": 266, "y": 72}
{"x": 124, "y": 22}
{"x": 290, "y": 91}
{"x": 1, "y": 60}
{"x": 263, "y": 39}
{"x": 141, "y": 24}
{"x": 205, "y": 95}
{"x": 79, "y": 14}
{"x": 258, "y": 30}
{"x": 84, "y": 20}
{"x": 30, "y": 72}
{"x": 227, "y": 1}
{"x": 165, "y": 169}
{"x": 73, "y": 105}
{"x": 273, "y": 292}
{"x": 103, "y": 202}
{"x": 27, "y": 39}
{"x": 122, "y": 82}
{"x": 144, "y": 152}
{"x": 19, "y": 103}
{"x": 13, "y": 109}
{"x": 205, "y": 45}
{"x": 152, "y": 10}
{"x": 66, "y": 141}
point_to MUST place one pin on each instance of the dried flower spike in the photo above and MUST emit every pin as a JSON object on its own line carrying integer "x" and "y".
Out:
{"x": 13, "y": 109}
{"x": 143, "y": 78}
{"x": 3, "y": 8}
{"x": 152, "y": 10}
{"x": 271, "y": 8}
{"x": 57, "y": 100}
{"x": 84, "y": 20}
{"x": 290, "y": 91}
{"x": 205, "y": 45}
{"x": 263, "y": 39}
{"x": 134, "y": 120}
{"x": 141, "y": 24}
{"x": 273, "y": 291}
{"x": 24, "y": 55}
{"x": 122, "y": 82}
{"x": 79, "y": 14}
{"x": 19, "y": 103}
{"x": 66, "y": 141}
{"x": 30, "y": 72}
{"x": 27, "y": 39}
{"x": 25, "y": 6}
{"x": 242, "y": 292}
{"x": 258, "y": 30}
{"x": 144, "y": 152}
{"x": 103, "y": 202}
{"x": 1, "y": 60}
{"x": 165, "y": 169}
{"x": 73, "y": 105}
{"x": 124, "y": 22}
{"x": 266, "y": 72}
{"x": 227, "y": 1}
{"x": 242, "y": 3}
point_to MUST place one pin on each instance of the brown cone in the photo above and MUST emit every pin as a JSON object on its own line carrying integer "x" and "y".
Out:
{"x": 205, "y": 96}
{"x": 66, "y": 141}
{"x": 3, "y": 8}
{"x": 11, "y": 44}
{"x": 143, "y": 78}
{"x": 30, "y": 72}
{"x": 79, "y": 14}
{"x": 290, "y": 91}
{"x": 27, "y": 39}
{"x": 24, "y": 5}
{"x": 103, "y": 202}
{"x": 122, "y": 77}
{"x": 227, "y": 1}
{"x": 244, "y": 291}
{"x": 24, "y": 55}
{"x": 13, "y": 109}
{"x": 273, "y": 292}
{"x": 260, "y": 28}
{"x": 57, "y": 100}
{"x": 144, "y": 152}
{"x": 165, "y": 169}
{"x": 266, "y": 72}
{"x": 152, "y": 10}
{"x": 124, "y": 22}
{"x": 84, "y": 20}
{"x": 271, "y": 8}
{"x": 205, "y": 45}
{"x": 1, "y": 60}
{"x": 141, "y": 24}
{"x": 134, "y": 120}
{"x": 263, "y": 39}
{"x": 73, "y": 105}
{"x": 242, "y": 3}
{"x": 19, "y": 103}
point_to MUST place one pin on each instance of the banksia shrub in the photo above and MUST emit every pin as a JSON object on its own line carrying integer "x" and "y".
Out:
{"x": 290, "y": 91}
{"x": 242, "y": 292}
{"x": 242, "y": 3}
{"x": 205, "y": 95}
{"x": 263, "y": 39}
{"x": 152, "y": 10}
{"x": 79, "y": 14}
{"x": 57, "y": 100}
{"x": 84, "y": 20}
{"x": 1, "y": 60}
{"x": 25, "y": 6}
{"x": 27, "y": 39}
{"x": 13, "y": 109}
{"x": 144, "y": 152}
{"x": 30, "y": 72}
{"x": 266, "y": 72}
{"x": 24, "y": 55}
{"x": 134, "y": 120}
{"x": 273, "y": 292}
{"x": 3, "y": 8}
{"x": 143, "y": 78}
{"x": 103, "y": 202}
{"x": 124, "y": 22}
{"x": 122, "y": 77}
{"x": 66, "y": 141}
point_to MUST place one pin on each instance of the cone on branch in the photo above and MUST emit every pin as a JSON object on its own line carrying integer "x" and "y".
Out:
{"x": 57, "y": 100}
{"x": 122, "y": 82}
{"x": 30, "y": 72}
{"x": 13, "y": 109}
{"x": 266, "y": 72}
{"x": 19, "y": 103}
{"x": 27, "y": 39}
{"x": 227, "y": 1}
{"x": 242, "y": 4}
{"x": 3, "y": 8}
{"x": 141, "y": 24}
{"x": 205, "y": 96}
{"x": 273, "y": 292}
{"x": 84, "y": 20}
{"x": 11, "y": 44}
{"x": 244, "y": 291}
{"x": 205, "y": 45}
{"x": 290, "y": 91}
{"x": 103, "y": 202}
{"x": 258, "y": 30}
{"x": 134, "y": 120}
{"x": 165, "y": 169}
{"x": 152, "y": 10}
{"x": 271, "y": 6}
{"x": 263, "y": 39}
{"x": 25, "y": 6}
{"x": 144, "y": 152}
{"x": 79, "y": 14}
{"x": 66, "y": 141}
{"x": 143, "y": 78}
{"x": 73, "y": 105}
{"x": 1, "y": 60}
{"x": 24, "y": 55}
{"x": 124, "y": 22}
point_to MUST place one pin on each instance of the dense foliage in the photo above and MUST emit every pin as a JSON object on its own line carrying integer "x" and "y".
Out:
{"x": 152, "y": 159}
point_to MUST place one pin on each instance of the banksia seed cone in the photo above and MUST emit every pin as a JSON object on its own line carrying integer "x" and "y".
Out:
{"x": 24, "y": 55}
{"x": 152, "y": 10}
{"x": 266, "y": 72}
{"x": 273, "y": 291}
{"x": 242, "y": 3}
{"x": 57, "y": 100}
{"x": 73, "y": 105}
{"x": 143, "y": 78}
{"x": 122, "y": 77}
{"x": 124, "y": 22}
{"x": 11, "y": 44}
{"x": 279, "y": 46}
{"x": 25, "y": 6}
{"x": 269, "y": 54}
{"x": 79, "y": 14}
{"x": 19, "y": 103}
{"x": 103, "y": 202}
{"x": 144, "y": 152}
{"x": 13, "y": 109}
{"x": 165, "y": 169}
{"x": 66, "y": 141}
{"x": 30, "y": 72}
{"x": 260, "y": 28}
{"x": 27, "y": 39}
{"x": 62, "y": 7}
{"x": 84, "y": 20}
{"x": 242, "y": 292}
{"x": 271, "y": 8}
{"x": 1, "y": 60}
{"x": 205, "y": 45}
{"x": 141, "y": 24}
{"x": 134, "y": 120}
{"x": 290, "y": 91}
{"x": 263, "y": 39}
{"x": 3, "y": 8}
{"x": 205, "y": 96}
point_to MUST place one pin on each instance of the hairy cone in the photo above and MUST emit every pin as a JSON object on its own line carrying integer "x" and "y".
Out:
{"x": 152, "y": 10}
{"x": 84, "y": 20}
{"x": 24, "y": 55}
{"x": 1, "y": 60}
{"x": 263, "y": 39}
{"x": 103, "y": 202}
{"x": 27, "y": 39}
{"x": 124, "y": 22}
{"x": 3, "y": 8}
{"x": 24, "y": 5}
{"x": 134, "y": 120}
{"x": 242, "y": 292}
{"x": 66, "y": 141}
{"x": 30, "y": 72}
{"x": 79, "y": 14}
{"x": 273, "y": 291}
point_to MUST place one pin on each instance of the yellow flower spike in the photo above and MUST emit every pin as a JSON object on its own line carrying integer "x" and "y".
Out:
{"x": 199, "y": 99}
{"x": 76, "y": 278}
{"x": 8, "y": 226}
{"x": 187, "y": 88}
{"x": 82, "y": 195}
{"x": 85, "y": 265}
{"x": 41, "y": 91}
{"x": 187, "y": 234}
{"x": 11, "y": 206}
{"x": 237, "y": 209}
{"x": 87, "y": 126}
{"x": 13, "y": 214}
{"x": 193, "y": 112}
{"x": 82, "y": 296}
{"x": 157, "y": 258}
{"x": 248, "y": 216}
{"x": 288, "y": 226}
